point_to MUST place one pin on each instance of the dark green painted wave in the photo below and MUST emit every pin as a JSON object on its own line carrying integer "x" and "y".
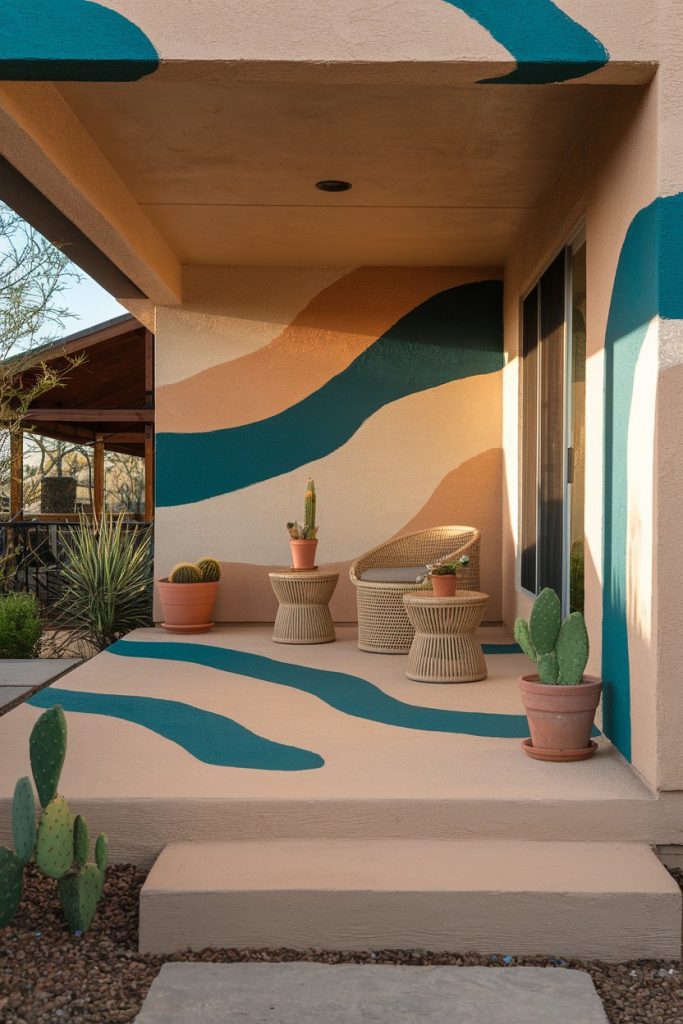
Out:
{"x": 211, "y": 738}
{"x": 71, "y": 40}
{"x": 352, "y": 695}
{"x": 457, "y": 333}
{"x": 648, "y": 282}
{"x": 547, "y": 44}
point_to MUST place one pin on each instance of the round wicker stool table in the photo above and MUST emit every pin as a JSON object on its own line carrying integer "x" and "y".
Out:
{"x": 445, "y": 648}
{"x": 303, "y": 616}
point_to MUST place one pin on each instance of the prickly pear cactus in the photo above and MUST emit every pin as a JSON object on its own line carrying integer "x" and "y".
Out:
{"x": 548, "y": 671}
{"x": 310, "y": 528}
{"x": 81, "y": 840}
{"x": 210, "y": 569}
{"x": 11, "y": 885}
{"x": 79, "y": 894}
{"x": 185, "y": 572}
{"x": 102, "y": 852}
{"x": 24, "y": 820}
{"x": 55, "y": 842}
{"x": 523, "y": 638}
{"x": 544, "y": 621}
{"x": 572, "y": 649}
{"x": 47, "y": 747}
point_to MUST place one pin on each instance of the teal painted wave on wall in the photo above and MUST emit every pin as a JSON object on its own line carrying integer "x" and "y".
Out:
{"x": 547, "y": 44}
{"x": 211, "y": 738}
{"x": 351, "y": 695}
{"x": 71, "y": 41}
{"x": 648, "y": 282}
{"x": 454, "y": 334}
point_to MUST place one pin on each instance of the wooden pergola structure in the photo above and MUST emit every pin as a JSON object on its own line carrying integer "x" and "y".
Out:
{"x": 106, "y": 401}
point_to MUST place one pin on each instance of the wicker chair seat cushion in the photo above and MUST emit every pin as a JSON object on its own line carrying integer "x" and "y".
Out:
{"x": 393, "y": 574}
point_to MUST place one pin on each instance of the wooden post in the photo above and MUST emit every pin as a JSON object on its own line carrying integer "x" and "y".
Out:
{"x": 98, "y": 476}
{"x": 16, "y": 490}
{"x": 149, "y": 473}
{"x": 149, "y": 427}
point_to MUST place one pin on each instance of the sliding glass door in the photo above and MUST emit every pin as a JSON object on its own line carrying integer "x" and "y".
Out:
{"x": 553, "y": 413}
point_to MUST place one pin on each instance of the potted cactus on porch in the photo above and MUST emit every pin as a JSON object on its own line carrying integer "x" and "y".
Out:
{"x": 303, "y": 537}
{"x": 188, "y": 595}
{"x": 560, "y": 701}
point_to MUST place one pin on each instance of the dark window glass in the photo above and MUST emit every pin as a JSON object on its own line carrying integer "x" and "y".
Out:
{"x": 551, "y": 426}
{"x": 529, "y": 438}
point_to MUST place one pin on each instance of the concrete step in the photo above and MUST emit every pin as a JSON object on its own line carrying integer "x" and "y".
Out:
{"x": 613, "y": 901}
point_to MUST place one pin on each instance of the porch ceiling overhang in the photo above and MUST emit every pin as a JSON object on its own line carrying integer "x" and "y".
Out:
{"x": 226, "y": 173}
{"x": 220, "y": 168}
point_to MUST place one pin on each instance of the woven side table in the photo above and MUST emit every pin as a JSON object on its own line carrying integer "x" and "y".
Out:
{"x": 445, "y": 648}
{"x": 303, "y": 616}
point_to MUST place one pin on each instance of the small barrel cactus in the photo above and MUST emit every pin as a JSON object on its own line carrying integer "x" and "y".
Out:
{"x": 210, "y": 569}
{"x": 560, "y": 649}
{"x": 185, "y": 572}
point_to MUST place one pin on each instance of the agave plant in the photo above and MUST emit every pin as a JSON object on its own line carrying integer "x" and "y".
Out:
{"x": 107, "y": 581}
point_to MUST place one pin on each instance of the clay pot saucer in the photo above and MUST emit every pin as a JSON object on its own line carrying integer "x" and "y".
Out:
{"x": 200, "y": 627}
{"x": 558, "y": 755}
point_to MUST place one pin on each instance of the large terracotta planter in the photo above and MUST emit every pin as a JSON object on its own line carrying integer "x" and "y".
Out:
{"x": 444, "y": 586}
{"x": 560, "y": 718}
{"x": 187, "y": 607}
{"x": 303, "y": 553}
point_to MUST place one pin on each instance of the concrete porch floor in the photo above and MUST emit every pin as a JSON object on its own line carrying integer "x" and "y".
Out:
{"x": 227, "y": 735}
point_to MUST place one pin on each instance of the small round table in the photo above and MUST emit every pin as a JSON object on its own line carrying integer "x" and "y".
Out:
{"x": 303, "y": 616}
{"x": 445, "y": 648}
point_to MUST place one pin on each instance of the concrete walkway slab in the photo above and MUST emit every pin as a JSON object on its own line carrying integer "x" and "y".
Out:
{"x": 10, "y": 693}
{"x": 31, "y": 672}
{"x": 303, "y": 993}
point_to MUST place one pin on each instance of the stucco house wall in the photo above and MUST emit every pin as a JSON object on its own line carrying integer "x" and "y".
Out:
{"x": 383, "y": 384}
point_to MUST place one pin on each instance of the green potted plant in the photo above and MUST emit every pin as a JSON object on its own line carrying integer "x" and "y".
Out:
{"x": 444, "y": 576}
{"x": 188, "y": 595}
{"x": 303, "y": 538}
{"x": 560, "y": 701}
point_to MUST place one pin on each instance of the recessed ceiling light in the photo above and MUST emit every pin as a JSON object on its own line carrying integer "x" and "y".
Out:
{"x": 333, "y": 186}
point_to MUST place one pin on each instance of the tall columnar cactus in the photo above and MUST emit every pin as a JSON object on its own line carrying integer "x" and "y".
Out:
{"x": 185, "y": 572}
{"x": 310, "y": 528}
{"x": 59, "y": 843}
{"x": 210, "y": 569}
{"x": 560, "y": 649}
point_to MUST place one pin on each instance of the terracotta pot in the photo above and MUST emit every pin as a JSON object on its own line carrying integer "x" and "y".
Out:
{"x": 303, "y": 553}
{"x": 188, "y": 607}
{"x": 444, "y": 586}
{"x": 560, "y": 717}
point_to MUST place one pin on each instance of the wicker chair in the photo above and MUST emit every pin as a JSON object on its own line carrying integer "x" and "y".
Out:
{"x": 383, "y": 625}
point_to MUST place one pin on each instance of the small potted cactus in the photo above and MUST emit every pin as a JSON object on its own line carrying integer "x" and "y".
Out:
{"x": 188, "y": 595}
{"x": 444, "y": 576}
{"x": 560, "y": 701}
{"x": 303, "y": 538}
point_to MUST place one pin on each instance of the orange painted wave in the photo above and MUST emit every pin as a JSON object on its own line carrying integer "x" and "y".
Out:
{"x": 361, "y": 306}
{"x": 470, "y": 494}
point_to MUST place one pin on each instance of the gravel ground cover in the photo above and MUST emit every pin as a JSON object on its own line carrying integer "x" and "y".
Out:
{"x": 48, "y": 976}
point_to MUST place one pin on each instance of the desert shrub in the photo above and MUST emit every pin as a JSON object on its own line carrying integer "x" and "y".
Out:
{"x": 20, "y": 626}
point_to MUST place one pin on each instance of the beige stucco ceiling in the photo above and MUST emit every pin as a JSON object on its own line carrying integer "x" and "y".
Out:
{"x": 226, "y": 171}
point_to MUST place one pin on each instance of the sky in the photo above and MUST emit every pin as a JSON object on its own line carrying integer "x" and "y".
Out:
{"x": 90, "y": 305}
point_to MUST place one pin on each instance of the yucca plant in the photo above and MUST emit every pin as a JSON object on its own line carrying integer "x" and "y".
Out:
{"x": 107, "y": 581}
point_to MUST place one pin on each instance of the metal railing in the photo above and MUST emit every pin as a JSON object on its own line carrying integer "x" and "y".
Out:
{"x": 32, "y": 555}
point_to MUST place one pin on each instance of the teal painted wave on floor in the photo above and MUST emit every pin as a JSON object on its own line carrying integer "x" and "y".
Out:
{"x": 352, "y": 695}
{"x": 547, "y": 44}
{"x": 211, "y": 738}
{"x": 71, "y": 41}
{"x": 457, "y": 333}
{"x": 648, "y": 282}
{"x": 501, "y": 649}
